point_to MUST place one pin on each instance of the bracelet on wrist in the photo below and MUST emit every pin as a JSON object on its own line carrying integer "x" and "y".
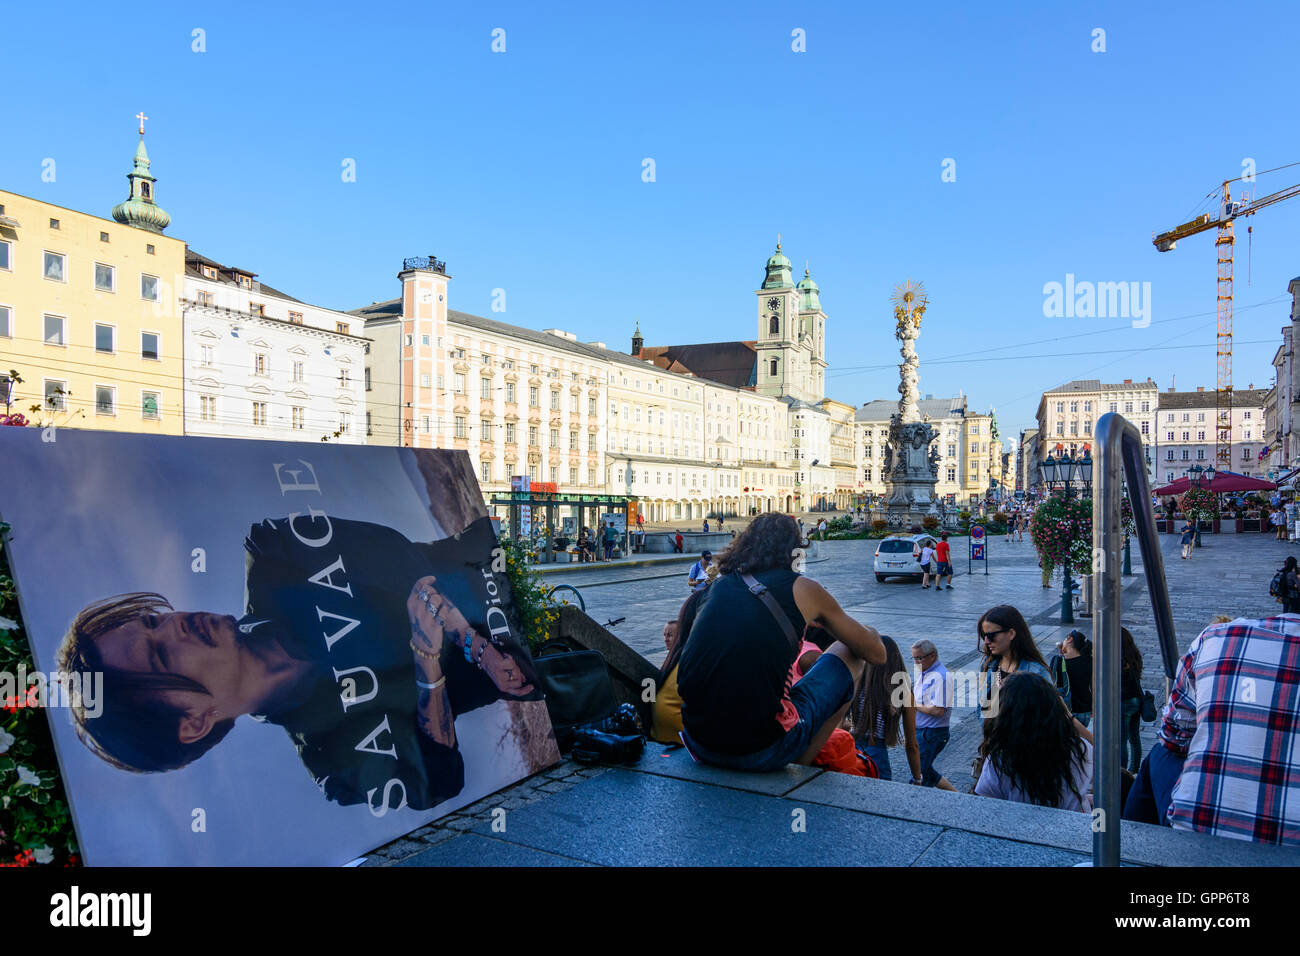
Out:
{"x": 478, "y": 658}
{"x": 468, "y": 647}
{"x": 424, "y": 685}
{"x": 422, "y": 652}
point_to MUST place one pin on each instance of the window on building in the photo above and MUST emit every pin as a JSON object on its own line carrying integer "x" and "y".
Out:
{"x": 425, "y": 424}
{"x": 149, "y": 345}
{"x": 103, "y": 337}
{"x": 485, "y": 470}
{"x": 532, "y": 435}
{"x": 207, "y": 408}
{"x": 460, "y": 427}
{"x": 342, "y": 328}
{"x": 485, "y": 429}
{"x": 573, "y": 476}
{"x": 1145, "y": 428}
{"x": 510, "y": 392}
{"x": 1146, "y": 406}
{"x": 573, "y": 441}
{"x": 1245, "y": 414}
{"x": 295, "y": 318}
{"x": 345, "y": 423}
{"x": 555, "y": 438}
{"x": 1128, "y": 408}
{"x": 299, "y": 417}
{"x": 105, "y": 400}
{"x": 345, "y": 379}
{"x": 591, "y": 442}
{"x": 458, "y": 383}
{"x": 591, "y": 408}
{"x": 259, "y": 413}
{"x": 56, "y": 394}
{"x": 105, "y": 278}
{"x": 149, "y": 287}
{"x": 1186, "y": 454}
{"x": 367, "y": 376}
{"x": 259, "y": 363}
{"x": 1169, "y": 436}
{"x": 205, "y": 297}
{"x": 1200, "y": 436}
{"x": 1187, "y": 436}
{"x": 205, "y": 355}
{"x": 1169, "y": 454}
{"x": 54, "y": 330}
{"x": 257, "y": 308}
{"x": 485, "y": 389}
{"x": 534, "y": 397}
{"x": 54, "y": 268}
{"x": 6, "y": 322}
{"x": 6, "y": 256}
{"x": 425, "y": 380}
{"x": 555, "y": 399}
{"x": 510, "y": 433}
{"x": 1200, "y": 454}
{"x": 555, "y": 475}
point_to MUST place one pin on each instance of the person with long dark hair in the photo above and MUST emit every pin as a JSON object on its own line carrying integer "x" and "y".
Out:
{"x": 1008, "y": 646}
{"x": 1131, "y": 692}
{"x": 1032, "y": 751}
{"x": 666, "y": 720}
{"x": 882, "y": 704}
{"x": 740, "y": 706}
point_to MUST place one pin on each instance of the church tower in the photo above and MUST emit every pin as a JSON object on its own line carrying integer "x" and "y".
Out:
{"x": 781, "y": 368}
{"x": 814, "y": 322}
{"x": 140, "y": 209}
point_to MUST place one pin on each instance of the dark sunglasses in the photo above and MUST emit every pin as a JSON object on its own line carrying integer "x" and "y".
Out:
{"x": 992, "y": 634}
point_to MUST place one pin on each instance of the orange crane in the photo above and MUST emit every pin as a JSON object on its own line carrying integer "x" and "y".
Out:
{"x": 1229, "y": 211}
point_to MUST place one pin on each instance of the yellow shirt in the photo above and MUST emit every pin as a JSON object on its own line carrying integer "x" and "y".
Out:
{"x": 667, "y": 712}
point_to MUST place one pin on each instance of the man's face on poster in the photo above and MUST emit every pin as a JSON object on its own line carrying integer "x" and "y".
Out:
{"x": 200, "y": 646}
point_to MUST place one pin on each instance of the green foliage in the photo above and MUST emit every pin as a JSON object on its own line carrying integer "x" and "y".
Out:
{"x": 35, "y": 826}
{"x": 536, "y": 613}
{"x": 929, "y": 522}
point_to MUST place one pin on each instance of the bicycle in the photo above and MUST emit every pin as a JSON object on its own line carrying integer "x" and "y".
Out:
{"x": 553, "y": 601}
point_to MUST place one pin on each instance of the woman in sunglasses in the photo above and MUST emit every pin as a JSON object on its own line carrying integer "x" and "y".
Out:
{"x": 1009, "y": 648}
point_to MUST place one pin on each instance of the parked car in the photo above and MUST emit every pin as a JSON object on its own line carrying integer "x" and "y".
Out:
{"x": 899, "y": 555}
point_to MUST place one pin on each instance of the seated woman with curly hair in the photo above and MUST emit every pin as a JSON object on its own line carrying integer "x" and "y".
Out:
{"x": 740, "y": 705}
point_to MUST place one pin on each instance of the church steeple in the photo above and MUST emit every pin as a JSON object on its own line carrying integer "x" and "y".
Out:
{"x": 140, "y": 209}
{"x": 637, "y": 341}
{"x": 778, "y": 270}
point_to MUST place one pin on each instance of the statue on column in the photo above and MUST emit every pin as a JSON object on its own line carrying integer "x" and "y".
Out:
{"x": 915, "y": 463}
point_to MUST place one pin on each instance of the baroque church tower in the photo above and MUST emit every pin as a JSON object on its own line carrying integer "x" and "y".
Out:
{"x": 791, "y": 342}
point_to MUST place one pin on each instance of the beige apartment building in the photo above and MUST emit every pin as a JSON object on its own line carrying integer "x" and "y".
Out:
{"x": 1186, "y": 435}
{"x": 1067, "y": 415}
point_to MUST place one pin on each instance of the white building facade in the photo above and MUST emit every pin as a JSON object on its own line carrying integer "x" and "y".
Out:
{"x": 261, "y": 364}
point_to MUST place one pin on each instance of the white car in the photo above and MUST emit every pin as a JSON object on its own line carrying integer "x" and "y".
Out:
{"x": 899, "y": 555}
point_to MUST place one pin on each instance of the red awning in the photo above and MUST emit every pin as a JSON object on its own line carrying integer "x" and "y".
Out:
{"x": 1223, "y": 481}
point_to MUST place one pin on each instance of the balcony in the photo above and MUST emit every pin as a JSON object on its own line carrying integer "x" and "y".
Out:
{"x": 427, "y": 263}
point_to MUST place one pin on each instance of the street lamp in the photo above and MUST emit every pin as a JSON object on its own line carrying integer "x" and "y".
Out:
{"x": 1063, "y": 471}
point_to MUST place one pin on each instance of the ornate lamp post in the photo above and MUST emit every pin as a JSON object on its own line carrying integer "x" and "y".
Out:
{"x": 1062, "y": 472}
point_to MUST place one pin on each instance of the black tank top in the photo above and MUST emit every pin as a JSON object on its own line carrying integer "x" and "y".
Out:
{"x": 733, "y": 671}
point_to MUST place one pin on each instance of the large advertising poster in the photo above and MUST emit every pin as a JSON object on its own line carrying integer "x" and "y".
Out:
{"x": 261, "y": 652}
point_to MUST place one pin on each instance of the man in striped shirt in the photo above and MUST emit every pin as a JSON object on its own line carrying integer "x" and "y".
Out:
{"x": 1234, "y": 714}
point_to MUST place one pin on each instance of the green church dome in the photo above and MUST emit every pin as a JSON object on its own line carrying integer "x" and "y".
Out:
{"x": 139, "y": 209}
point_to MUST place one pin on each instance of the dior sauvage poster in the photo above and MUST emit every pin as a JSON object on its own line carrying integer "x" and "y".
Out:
{"x": 268, "y": 653}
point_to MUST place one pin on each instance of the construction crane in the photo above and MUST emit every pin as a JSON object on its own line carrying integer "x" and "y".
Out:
{"x": 1229, "y": 211}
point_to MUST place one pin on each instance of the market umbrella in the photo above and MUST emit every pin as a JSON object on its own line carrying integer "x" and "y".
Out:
{"x": 1223, "y": 481}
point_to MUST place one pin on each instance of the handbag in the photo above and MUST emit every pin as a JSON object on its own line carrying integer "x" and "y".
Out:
{"x": 1148, "y": 707}
{"x": 577, "y": 688}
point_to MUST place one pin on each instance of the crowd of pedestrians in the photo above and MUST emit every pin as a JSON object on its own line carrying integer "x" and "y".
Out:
{"x": 764, "y": 668}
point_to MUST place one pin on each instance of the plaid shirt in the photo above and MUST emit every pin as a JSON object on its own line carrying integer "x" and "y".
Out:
{"x": 1234, "y": 712}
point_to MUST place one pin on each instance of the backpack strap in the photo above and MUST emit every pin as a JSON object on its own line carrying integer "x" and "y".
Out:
{"x": 760, "y": 591}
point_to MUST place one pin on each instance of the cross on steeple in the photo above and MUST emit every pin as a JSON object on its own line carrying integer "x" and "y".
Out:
{"x": 141, "y": 117}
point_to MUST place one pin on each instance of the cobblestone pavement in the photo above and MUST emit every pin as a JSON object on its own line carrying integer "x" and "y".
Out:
{"x": 1229, "y": 575}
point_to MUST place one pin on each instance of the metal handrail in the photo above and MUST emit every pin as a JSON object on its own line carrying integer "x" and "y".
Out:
{"x": 1119, "y": 446}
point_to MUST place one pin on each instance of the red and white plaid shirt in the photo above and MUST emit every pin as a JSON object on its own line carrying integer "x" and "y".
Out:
{"x": 1235, "y": 713}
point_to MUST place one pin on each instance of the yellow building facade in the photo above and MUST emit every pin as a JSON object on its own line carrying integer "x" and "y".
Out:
{"x": 90, "y": 318}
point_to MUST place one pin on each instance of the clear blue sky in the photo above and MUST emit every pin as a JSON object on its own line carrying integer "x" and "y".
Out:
{"x": 523, "y": 170}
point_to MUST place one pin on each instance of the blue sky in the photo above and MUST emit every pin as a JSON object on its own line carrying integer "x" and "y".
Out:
{"x": 523, "y": 169}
